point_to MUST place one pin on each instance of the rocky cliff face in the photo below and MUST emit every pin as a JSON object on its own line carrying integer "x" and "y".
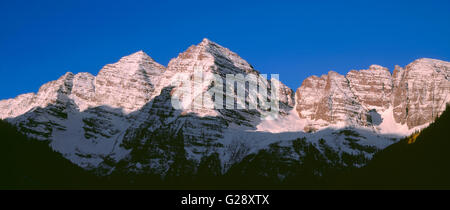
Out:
{"x": 123, "y": 118}
{"x": 373, "y": 87}
{"x": 128, "y": 84}
{"x": 417, "y": 94}
{"x": 421, "y": 90}
{"x": 329, "y": 100}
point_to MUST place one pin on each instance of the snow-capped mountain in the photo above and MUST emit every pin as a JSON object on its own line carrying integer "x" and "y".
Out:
{"x": 123, "y": 118}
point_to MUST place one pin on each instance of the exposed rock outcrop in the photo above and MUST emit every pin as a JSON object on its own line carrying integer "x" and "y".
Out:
{"x": 417, "y": 94}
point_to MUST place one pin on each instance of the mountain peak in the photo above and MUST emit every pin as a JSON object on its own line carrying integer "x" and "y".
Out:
{"x": 138, "y": 56}
{"x": 207, "y": 54}
{"x": 332, "y": 73}
{"x": 210, "y": 46}
{"x": 205, "y": 41}
{"x": 428, "y": 66}
{"x": 377, "y": 67}
{"x": 421, "y": 62}
{"x": 427, "y": 60}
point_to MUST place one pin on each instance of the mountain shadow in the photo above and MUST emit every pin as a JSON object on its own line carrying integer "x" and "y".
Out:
{"x": 420, "y": 161}
{"x": 416, "y": 162}
{"x": 31, "y": 164}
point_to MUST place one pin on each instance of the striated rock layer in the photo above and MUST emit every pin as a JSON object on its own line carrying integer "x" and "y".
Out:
{"x": 417, "y": 94}
{"x": 421, "y": 91}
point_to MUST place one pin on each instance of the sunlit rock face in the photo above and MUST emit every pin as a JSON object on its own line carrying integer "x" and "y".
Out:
{"x": 421, "y": 90}
{"x": 417, "y": 94}
{"x": 373, "y": 87}
{"x": 329, "y": 99}
{"x": 129, "y": 83}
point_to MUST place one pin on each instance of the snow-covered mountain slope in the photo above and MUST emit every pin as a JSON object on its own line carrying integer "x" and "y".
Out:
{"x": 85, "y": 116}
{"x": 124, "y": 119}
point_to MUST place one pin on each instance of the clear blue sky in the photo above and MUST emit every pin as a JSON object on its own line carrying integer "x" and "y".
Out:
{"x": 41, "y": 40}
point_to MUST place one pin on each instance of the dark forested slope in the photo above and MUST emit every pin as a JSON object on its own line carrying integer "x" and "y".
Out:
{"x": 28, "y": 163}
{"x": 421, "y": 160}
